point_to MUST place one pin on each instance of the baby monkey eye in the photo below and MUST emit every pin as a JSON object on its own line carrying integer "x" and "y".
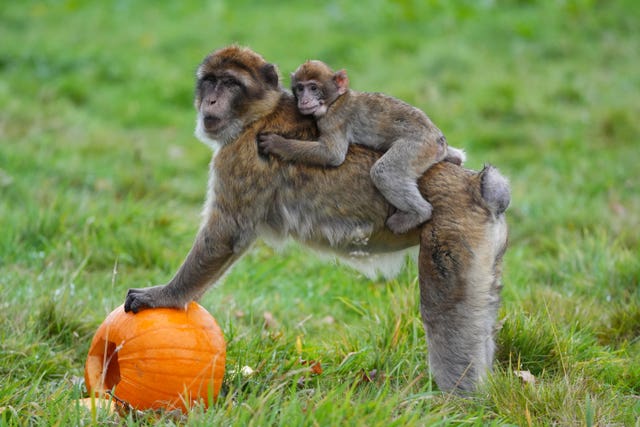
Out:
{"x": 314, "y": 88}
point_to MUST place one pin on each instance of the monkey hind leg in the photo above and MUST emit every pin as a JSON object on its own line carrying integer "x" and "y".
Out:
{"x": 456, "y": 156}
{"x": 401, "y": 222}
{"x": 397, "y": 182}
{"x": 459, "y": 338}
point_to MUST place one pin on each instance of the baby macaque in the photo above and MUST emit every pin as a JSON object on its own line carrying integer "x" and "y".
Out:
{"x": 410, "y": 141}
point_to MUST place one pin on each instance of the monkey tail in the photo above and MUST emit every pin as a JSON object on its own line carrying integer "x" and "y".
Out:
{"x": 495, "y": 190}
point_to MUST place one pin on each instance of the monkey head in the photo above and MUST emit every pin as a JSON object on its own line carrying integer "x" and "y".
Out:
{"x": 316, "y": 87}
{"x": 234, "y": 87}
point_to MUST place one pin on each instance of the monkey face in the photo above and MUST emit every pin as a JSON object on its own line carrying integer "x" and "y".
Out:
{"x": 316, "y": 87}
{"x": 234, "y": 85}
{"x": 216, "y": 96}
{"x": 311, "y": 100}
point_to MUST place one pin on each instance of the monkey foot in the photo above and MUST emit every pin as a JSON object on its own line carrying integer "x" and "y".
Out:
{"x": 401, "y": 222}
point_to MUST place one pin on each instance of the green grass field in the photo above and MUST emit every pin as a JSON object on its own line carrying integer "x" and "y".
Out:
{"x": 102, "y": 182}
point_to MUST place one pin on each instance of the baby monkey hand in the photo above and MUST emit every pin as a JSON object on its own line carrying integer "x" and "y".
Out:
{"x": 271, "y": 143}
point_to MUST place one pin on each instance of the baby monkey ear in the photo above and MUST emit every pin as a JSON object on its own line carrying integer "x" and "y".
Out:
{"x": 342, "y": 81}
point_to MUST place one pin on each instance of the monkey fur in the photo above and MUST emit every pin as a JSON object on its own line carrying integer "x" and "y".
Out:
{"x": 339, "y": 210}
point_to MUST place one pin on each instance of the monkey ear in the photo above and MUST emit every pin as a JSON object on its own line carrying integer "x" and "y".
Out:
{"x": 342, "y": 81}
{"x": 270, "y": 74}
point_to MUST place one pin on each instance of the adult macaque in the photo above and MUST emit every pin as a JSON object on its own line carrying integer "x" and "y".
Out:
{"x": 410, "y": 141}
{"x": 339, "y": 210}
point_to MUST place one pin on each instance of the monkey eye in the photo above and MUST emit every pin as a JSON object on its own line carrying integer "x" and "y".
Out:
{"x": 210, "y": 79}
{"x": 230, "y": 81}
{"x": 314, "y": 88}
{"x": 299, "y": 87}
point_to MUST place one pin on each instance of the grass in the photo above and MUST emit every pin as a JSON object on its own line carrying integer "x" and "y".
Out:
{"x": 102, "y": 181}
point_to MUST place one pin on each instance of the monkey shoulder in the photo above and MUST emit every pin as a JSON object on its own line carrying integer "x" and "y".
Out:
{"x": 349, "y": 109}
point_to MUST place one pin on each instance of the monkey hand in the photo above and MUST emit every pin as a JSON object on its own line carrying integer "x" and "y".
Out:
{"x": 155, "y": 296}
{"x": 271, "y": 143}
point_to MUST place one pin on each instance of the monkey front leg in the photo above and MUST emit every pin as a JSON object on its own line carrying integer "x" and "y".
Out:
{"x": 219, "y": 243}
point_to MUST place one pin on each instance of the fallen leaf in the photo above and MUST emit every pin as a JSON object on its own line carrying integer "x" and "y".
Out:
{"x": 314, "y": 366}
{"x": 526, "y": 377}
{"x": 269, "y": 320}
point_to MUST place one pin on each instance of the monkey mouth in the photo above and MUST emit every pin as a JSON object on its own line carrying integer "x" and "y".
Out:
{"x": 210, "y": 123}
{"x": 308, "y": 111}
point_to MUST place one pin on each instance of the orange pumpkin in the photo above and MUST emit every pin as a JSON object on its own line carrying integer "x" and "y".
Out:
{"x": 158, "y": 358}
